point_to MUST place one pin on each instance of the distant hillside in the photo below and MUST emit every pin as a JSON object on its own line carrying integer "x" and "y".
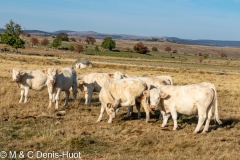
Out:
{"x": 97, "y": 35}
{"x": 204, "y": 42}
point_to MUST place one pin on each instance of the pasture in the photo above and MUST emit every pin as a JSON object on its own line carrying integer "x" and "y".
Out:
{"x": 31, "y": 126}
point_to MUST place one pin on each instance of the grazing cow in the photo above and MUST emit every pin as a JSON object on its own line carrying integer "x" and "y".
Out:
{"x": 60, "y": 80}
{"x": 93, "y": 82}
{"x": 154, "y": 82}
{"x": 123, "y": 92}
{"x": 189, "y": 99}
{"x": 28, "y": 79}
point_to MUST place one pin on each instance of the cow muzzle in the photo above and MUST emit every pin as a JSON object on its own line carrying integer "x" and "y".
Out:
{"x": 153, "y": 106}
{"x": 52, "y": 81}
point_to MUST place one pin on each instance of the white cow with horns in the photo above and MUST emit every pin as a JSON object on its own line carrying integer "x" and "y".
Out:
{"x": 189, "y": 99}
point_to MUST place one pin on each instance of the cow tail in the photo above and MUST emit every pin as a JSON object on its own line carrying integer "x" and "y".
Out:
{"x": 215, "y": 102}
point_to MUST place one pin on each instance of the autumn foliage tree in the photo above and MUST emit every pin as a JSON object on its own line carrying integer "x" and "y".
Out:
{"x": 79, "y": 48}
{"x": 140, "y": 48}
{"x": 34, "y": 41}
{"x": 90, "y": 40}
{"x": 45, "y": 42}
{"x": 72, "y": 39}
{"x": 168, "y": 49}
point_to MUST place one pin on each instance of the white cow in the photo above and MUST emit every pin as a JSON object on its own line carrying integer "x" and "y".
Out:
{"x": 153, "y": 82}
{"x": 93, "y": 82}
{"x": 189, "y": 99}
{"x": 60, "y": 80}
{"x": 28, "y": 79}
{"x": 120, "y": 93}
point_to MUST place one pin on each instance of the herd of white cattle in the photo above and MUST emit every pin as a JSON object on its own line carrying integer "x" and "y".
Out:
{"x": 118, "y": 90}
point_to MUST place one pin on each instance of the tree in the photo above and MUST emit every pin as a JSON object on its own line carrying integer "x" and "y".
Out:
{"x": 90, "y": 40}
{"x": 79, "y": 48}
{"x": 56, "y": 42}
{"x": 45, "y": 42}
{"x": 108, "y": 43}
{"x": 140, "y": 48}
{"x": 63, "y": 36}
{"x": 11, "y": 35}
{"x": 34, "y": 41}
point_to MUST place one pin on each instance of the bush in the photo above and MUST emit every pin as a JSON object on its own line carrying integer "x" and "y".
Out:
{"x": 140, "y": 48}
{"x": 154, "y": 49}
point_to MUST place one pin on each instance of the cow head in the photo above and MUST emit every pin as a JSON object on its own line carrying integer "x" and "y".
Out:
{"x": 153, "y": 97}
{"x": 16, "y": 74}
{"x": 51, "y": 75}
{"x": 81, "y": 84}
{"x": 113, "y": 107}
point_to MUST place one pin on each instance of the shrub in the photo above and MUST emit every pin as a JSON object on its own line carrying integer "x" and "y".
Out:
{"x": 154, "y": 49}
{"x": 79, "y": 48}
{"x": 140, "y": 48}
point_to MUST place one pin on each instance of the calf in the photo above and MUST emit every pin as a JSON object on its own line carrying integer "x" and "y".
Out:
{"x": 60, "y": 80}
{"x": 123, "y": 92}
{"x": 28, "y": 79}
{"x": 189, "y": 99}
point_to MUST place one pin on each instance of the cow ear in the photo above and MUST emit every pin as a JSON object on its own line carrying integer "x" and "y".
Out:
{"x": 59, "y": 71}
{"x": 163, "y": 95}
{"x": 110, "y": 75}
{"x": 109, "y": 105}
{"x": 44, "y": 71}
{"x": 146, "y": 93}
{"x": 22, "y": 73}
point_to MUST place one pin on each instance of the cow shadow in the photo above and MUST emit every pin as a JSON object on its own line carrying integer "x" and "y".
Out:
{"x": 184, "y": 120}
{"x": 227, "y": 123}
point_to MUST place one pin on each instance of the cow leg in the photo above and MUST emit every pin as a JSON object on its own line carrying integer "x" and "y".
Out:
{"x": 209, "y": 115}
{"x": 50, "y": 98}
{"x": 165, "y": 118}
{"x": 201, "y": 119}
{"x": 26, "y": 94}
{"x": 22, "y": 93}
{"x": 174, "y": 117}
{"x": 74, "y": 93}
{"x": 138, "y": 106}
{"x": 67, "y": 93}
{"x": 57, "y": 98}
{"x": 146, "y": 108}
{"x": 130, "y": 110}
{"x": 88, "y": 97}
{"x": 101, "y": 113}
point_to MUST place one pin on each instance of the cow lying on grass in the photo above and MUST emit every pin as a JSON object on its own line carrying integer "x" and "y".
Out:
{"x": 189, "y": 99}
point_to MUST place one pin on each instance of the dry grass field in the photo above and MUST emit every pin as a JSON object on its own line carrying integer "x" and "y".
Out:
{"x": 30, "y": 126}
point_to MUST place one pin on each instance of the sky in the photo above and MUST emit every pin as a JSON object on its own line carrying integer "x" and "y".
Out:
{"x": 187, "y": 19}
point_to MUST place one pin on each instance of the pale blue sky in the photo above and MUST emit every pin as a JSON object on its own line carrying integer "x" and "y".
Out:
{"x": 189, "y": 19}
